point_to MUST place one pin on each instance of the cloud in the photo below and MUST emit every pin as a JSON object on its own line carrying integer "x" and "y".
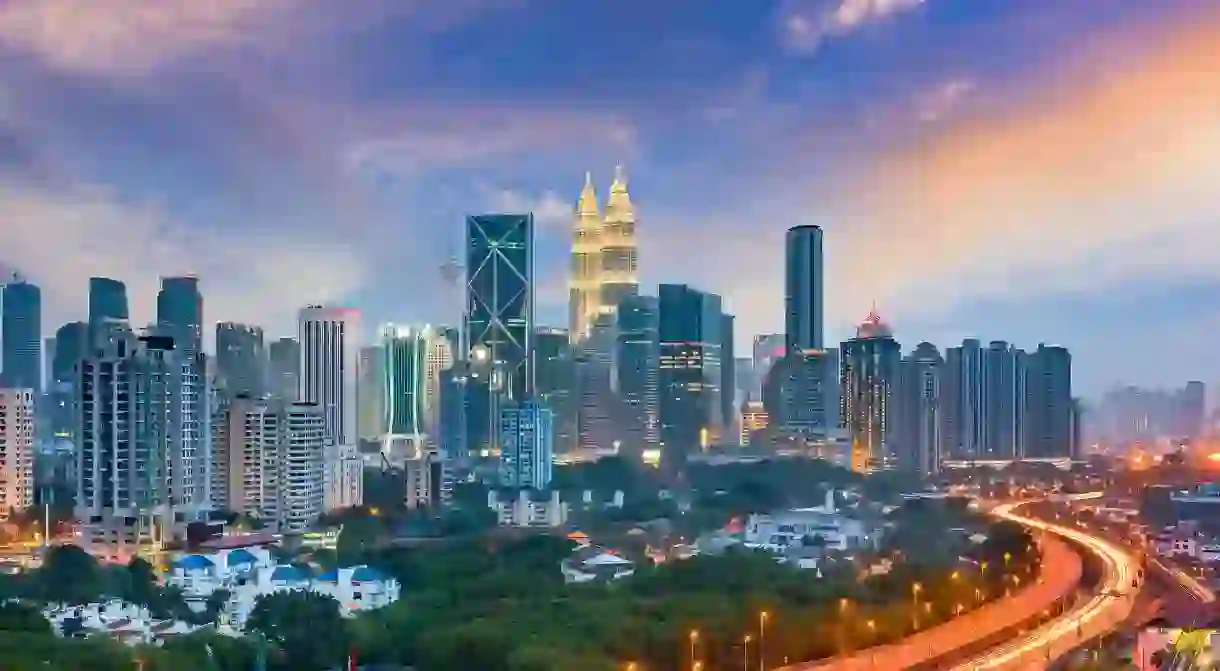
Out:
{"x": 806, "y": 24}
{"x": 59, "y": 238}
{"x": 550, "y": 210}
{"x": 450, "y": 135}
{"x": 123, "y": 36}
{"x": 1083, "y": 183}
{"x": 934, "y": 104}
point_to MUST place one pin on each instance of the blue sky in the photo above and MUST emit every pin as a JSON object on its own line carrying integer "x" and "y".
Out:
{"x": 1035, "y": 171}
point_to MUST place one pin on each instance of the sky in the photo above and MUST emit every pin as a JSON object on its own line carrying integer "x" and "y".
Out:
{"x": 1033, "y": 171}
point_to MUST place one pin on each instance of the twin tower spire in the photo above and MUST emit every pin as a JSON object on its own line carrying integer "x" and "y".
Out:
{"x": 604, "y": 256}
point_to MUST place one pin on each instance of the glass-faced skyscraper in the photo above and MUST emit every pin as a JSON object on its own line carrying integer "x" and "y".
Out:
{"x": 636, "y": 361}
{"x": 689, "y": 371}
{"x": 405, "y": 352}
{"x": 500, "y": 297}
{"x": 869, "y": 374}
{"x": 804, "y": 296}
{"x": 241, "y": 359}
{"x": 107, "y": 307}
{"x": 21, "y": 334}
{"x": 180, "y": 312}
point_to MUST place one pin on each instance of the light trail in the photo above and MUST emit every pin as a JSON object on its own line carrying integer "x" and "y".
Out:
{"x": 1111, "y": 604}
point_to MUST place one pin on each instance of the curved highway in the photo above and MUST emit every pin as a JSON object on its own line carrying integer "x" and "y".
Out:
{"x": 1110, "y": 606}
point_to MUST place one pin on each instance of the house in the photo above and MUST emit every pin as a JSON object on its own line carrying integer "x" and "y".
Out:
{"x": 594, "y": 564}
{"x": 528, "y": 508}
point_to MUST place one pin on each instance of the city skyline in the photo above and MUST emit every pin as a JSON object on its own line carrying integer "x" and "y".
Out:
{"x": 113, "y": 156}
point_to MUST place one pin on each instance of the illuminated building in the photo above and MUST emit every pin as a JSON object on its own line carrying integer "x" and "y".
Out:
{"x": 768, "y": 349}
{"x": 1048, "y": 404}
{"x": 21, "y": 335}
{"x": 804, "y": 297}
{"x": 71, "y": 341}
{"x": 500, "y": 300}
{"x": 555, "y": 383}
{"x": 962, "y": 402}
{"x": 438, "y": 358}
{"x": 1003, "y": 400}
{"x": 917, "y": 421}
{"x": 405, "y": 385}
{"x": 329, "y": 338}
{"x": 869, "y": 371}
{"x": 526, "y": 454}
{"x": 800, "y": 393}
{"x": 753, "y": 418}
{"x": 636, "y": 370}
{"x": 689, "y": 376}
{"x": 16, "y": 450}
{"x": 604, "y": 261}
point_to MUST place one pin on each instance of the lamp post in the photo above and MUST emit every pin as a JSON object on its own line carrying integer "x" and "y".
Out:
{"x": 745, "y": 652}
{"x": 762, "y": 640}
{"x": 695, "y": 664}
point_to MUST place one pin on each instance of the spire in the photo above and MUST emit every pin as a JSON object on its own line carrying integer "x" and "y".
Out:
{"x": 618, "y": 205}
{"x": 587, "y": 204}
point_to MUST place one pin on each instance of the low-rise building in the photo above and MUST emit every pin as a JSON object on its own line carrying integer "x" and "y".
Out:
{"x": 595, "y": 564}
{"x": 528, "y": 508}
{"x": 821, "y": 526}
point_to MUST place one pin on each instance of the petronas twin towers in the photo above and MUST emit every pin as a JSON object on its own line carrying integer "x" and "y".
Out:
{"x": 604, "y": 256}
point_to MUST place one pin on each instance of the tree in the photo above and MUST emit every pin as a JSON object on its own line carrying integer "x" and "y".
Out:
{"x": 70, "y": 575}
{"x": 22, "y": 617}
{"x": 143, "y": 581}
{"x": 304, "y": 627}
{"x": 357, "y": 537}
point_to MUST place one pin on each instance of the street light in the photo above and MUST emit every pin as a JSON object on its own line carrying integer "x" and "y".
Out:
{"x": 745, "y": 652}
{"x": 762, "y": 640}
{"x": 695, "y": 664}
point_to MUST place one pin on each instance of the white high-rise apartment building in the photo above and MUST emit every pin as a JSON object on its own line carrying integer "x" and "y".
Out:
{"x": 142, "y": 461}
{"x": 439, "y": 358}
{"x": 16, "y": 450}
{"x": 329, "y": 375}
{"x": 269, "y": 462}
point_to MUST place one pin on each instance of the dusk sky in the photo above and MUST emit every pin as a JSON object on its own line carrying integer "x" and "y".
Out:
{"x": 1027, "y": 170}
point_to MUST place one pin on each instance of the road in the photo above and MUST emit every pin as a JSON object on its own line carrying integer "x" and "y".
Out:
{"x": 1061, "y": 572}
{"x": 1103, "y": 612}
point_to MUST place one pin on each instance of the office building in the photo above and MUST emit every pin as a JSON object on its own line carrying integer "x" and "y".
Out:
{"x": 108, "y": 310}
{"x": 869, "y": 372}
{"x": 21, "y": 336}
{"x": 619, "y": 247}
{"x": 636, "y": 370}
{"x": 241, "y": 360}
{"x": 283, "y": 365}
{"x": 555, "y": 383}
{"x": 329, "y": 339}
{"x": 371, "y": 390}
{"x": 405, "y": 388}
{"x": 142, "y": 457}
{"x": 180, "y": 313}
{"x": 801, "y": 394}
{"x": 71, "y": 341}
{"x": 689, "y": 377}
{"x": 584, "y": 303}
{"x": 728, "y": 377}
{"x": 768, "y": 349}
{"x": 804, "y": 297}
{"x": 526, "y": 453}
{"x": 754, "y": 419}
{"x": 439, "y": 357}
{"x": 1190, "y": 410}
{"x": 917, "y": 422}
{"x": 269, "y": 462}
{"x": 1048, "y": 404}
{"x": 16, "y": 450}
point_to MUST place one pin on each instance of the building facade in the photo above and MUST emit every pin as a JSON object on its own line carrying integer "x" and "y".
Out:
{"x": 284, "y": 365}
{"x": 108, "y": 310}
{"x": 688, "y": 382}
{"x": 241, "y": 360}
{"x": 329, "y": 340}
{"x": 917, "y": 410}
{"x": 526, "y": 452}
{"x": 500, "y": 298}
{"x": 21, "y": 336}
{"x": 869, "y": 373}
{"x": 1049, "y": 404}
{"x": 637, "y": 368}
{"x": 804, "y": 298}
{"x": 142, "y": 460}
{"x": 16, "y": 450}
{"x": 180, "y": 312}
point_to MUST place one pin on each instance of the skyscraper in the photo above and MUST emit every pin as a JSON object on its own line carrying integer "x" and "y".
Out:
{"x": 284, "y": 364}
{"x": 800, "y": 393}
{"x": 768, "y": 349}
{"x": 804, "y": 298}
{"x": 405, "y": 385}
{"x": 526, "y": 451}
{"x": 728, "y": 377}
{"x": 584, "y": 304}
{"x": 142, "y": 464}
{"x": 21, "y": 336}
{"x": 438, "y": 358}
{"x": 1003, "y": 400}
{"x": 371, "y": 390}
{"x": 917, "y": 421}
{"x": 16, "y": 450}
{"x": 619, "y": 252}
{"x": 555, "y": 383}
{"x": 963, "y": 395}
{"x": 71, "y": 342}
{"x": 689, "y": 378}
{"x": 241, "y": 360}
{"x": 636, "y": 369}
{"x": 180, "y": 312}
{"x": 500, "y": 303}
{"x": 1048, "y": 404}
{"x": 329, "y": 340}
{"x": 869, "y": 372}
{"x": 108, "y": 310}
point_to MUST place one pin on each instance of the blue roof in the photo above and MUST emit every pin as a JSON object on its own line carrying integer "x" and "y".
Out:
{"x": 240, "y": 557}
{"x": 367, "y": 574}
{"x": 329, "y": 576}
{"x": 288, "y": 574}
{"x": 195, "y": 562}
